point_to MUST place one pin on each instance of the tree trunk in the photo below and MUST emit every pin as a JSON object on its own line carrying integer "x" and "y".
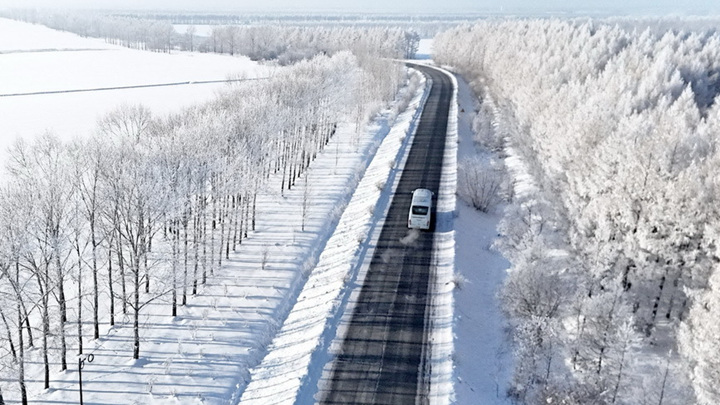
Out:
{"x": 21, "y": 356}
{"x": 96, "y": 288}
{"x": 136, "y": 309}
{"x": 215, "y": 218}
{"x": 205, "y": 260}
{"x": 224, "y": 241}
{"x": 247, "y": 215}
{"x": 235, "y": 209}
{"x": 254, "y": 209}
{"x": 146, "y": 242}
{"x": 79, "y": 294}
{"x": 22, "y": 310}
{"x": 656, "y": 303}
{"x": 63, "y": 309}
{"x": 619, "y": 378}
{"x": 13, "y": 352}
{"x": 123, "y": 285}
{"x": 225, "y": 217}
{"x": 45, "y": 330}
{"x": 110, "y": 288}
{"x": 285, "y": 163}
{"x": 196, "y": 251}
{"x": 241, "y": 213}
{"x": 664, "y": 381}
{"x": 186, "y": 220}
{"x": 138, "y": 259}
{"x": 174, "y": 242}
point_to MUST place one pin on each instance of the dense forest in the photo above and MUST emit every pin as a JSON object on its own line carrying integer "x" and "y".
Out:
{"x": 612, "y": 227}
{"x": 146, "y": 208}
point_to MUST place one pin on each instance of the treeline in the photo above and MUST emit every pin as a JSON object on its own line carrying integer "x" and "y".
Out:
{"x": 285, "y": 44}
{"x": 426, "y": 26}
{"x": 614, "y": 251}
{"x": 149, "y": 207}
{"x": 290, "y": 44}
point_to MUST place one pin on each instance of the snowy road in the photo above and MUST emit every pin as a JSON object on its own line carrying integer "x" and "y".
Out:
{"x": 382, "y": 355}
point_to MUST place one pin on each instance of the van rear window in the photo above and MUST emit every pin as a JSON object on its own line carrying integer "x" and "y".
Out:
{"x": 419, "y": 210}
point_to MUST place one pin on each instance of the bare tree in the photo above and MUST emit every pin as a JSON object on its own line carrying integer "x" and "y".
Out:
{"x": 479, "y": 183}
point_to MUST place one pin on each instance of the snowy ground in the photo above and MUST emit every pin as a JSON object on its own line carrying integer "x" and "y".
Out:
{"x": 34, "y": 58}
{"x": 483, "y": 361}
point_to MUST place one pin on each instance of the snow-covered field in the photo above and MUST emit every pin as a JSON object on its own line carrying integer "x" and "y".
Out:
{"x": 228, "y": 334}
{"x": 34, "y": 58}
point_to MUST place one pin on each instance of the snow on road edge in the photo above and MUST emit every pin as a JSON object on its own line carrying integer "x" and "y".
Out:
{"x": 440, "y": 317}
{"x": 279, "y": 377}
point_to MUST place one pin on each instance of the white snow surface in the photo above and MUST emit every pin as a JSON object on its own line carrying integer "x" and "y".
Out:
{"x": 483, "y": 359}
{"x": 34, "y": 58}
{"x": 440, "y": 318}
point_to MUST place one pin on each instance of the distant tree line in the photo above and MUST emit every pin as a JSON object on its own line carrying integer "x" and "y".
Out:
{"x": 426, "y": 26}
{"x": 148, "y": 208}
{"x": 614, "y": 287}
{"x": 285, "y": 44}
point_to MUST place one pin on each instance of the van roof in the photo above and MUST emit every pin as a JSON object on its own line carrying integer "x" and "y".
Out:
{"x": 422, "y": 196}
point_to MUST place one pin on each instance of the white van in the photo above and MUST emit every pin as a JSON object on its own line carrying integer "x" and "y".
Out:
{"x": 420, "y": 209}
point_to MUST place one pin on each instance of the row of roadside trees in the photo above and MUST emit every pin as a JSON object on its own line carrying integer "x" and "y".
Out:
{"x": 148, "y": 207}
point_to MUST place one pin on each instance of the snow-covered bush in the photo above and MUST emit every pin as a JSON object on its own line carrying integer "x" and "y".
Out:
{"x": 484, "y": 127}
{"x": 479, "y": 184}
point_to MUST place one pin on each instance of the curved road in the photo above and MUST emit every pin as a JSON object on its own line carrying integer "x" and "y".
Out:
{"x": 383, "y": 351}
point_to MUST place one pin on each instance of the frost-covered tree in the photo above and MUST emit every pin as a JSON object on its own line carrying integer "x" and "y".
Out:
{"x": 613, "y": 127}
{"x": 40, "y": 167}
{"x": 147, "y": 208}
{"x": 699, "y": 342}
{"x": 479, "y": 183}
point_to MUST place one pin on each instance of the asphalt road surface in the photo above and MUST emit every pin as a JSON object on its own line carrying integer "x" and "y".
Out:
{"x": 382, "y": 355}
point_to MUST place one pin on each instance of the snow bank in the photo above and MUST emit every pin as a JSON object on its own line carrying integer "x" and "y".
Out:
{"x": 443, "y": 269}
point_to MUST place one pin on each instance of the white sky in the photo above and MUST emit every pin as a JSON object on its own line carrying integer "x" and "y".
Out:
{"x": 701, "y": 7}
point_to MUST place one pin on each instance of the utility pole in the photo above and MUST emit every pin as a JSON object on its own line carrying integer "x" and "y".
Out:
{"x": 81, "y": 363}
